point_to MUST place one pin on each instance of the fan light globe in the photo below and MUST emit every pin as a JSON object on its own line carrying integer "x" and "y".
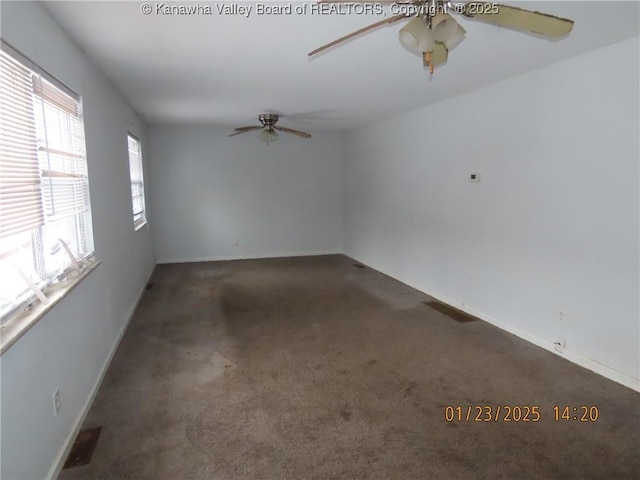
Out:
{"x": 416, "y": 35}
{"x": 444, "y": 27}
{"x": 456, "y": 38}
{"x": 268, "y": 135}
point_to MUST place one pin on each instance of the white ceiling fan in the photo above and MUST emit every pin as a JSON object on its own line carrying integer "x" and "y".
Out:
{"x": 269, "y": 127}
{"x": 433, "y": 31}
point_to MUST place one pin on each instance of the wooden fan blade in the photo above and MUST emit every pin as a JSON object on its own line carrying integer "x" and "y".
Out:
{"x": 369, "y": 1}
{"x": 252, "y": 127}
{"x": 518, "y": 18}
{"x": 358, "y": 32}
{"x": 240, "y": 130}
{"x": 438, "y": 56}
{"x": 295, "y": 132}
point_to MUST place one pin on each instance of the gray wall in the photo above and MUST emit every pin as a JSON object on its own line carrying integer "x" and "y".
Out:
{"x": 69, "y": 347}
{"x": 217, "y": 197}
{"x": 546, "y": 245}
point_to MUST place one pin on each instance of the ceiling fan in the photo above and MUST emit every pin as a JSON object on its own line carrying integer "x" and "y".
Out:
{"x": 433, "y": 32}
{"x": 268, "y": 127}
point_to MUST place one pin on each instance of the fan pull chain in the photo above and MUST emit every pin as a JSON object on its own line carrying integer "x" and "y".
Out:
{"x": 430, "y": 64}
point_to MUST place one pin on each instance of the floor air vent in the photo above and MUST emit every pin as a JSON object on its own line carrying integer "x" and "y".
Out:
{"x": 452, "y": 313}
{"x": 82, "y": 449}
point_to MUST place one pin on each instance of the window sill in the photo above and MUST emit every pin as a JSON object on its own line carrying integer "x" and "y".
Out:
{"x": 139, "y": 226}
{"x": 20, "y": 323}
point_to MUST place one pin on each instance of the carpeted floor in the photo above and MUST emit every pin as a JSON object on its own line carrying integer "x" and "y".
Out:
{"x": 310, "y": 368}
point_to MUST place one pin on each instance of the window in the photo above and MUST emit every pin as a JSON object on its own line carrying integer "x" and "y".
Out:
{"x": 45, "y": 219}
{"x": 137, "y": 182}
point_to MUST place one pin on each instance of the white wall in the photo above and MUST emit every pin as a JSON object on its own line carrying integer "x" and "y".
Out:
{"x": 553, "y": 224}
{"x": 217, "y": 197}
{"x": 69, "y": 347}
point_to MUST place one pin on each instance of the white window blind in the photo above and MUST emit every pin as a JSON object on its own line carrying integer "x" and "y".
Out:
{"x": 20, "y": 198}
{"x": 65, "y": 189}
{"x": 44, "y": 190}
{"x": 137, "y": 181}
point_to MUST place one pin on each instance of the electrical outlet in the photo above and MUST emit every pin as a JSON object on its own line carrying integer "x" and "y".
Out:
{"x": 56, "y": 401}
{"x": 559, "y": 344}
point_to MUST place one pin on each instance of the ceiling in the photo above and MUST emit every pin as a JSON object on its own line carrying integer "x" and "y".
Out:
{"x": 225, "y": 69}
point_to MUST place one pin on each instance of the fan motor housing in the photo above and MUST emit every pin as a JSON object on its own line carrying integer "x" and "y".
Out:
{"x": 268, "y": 119}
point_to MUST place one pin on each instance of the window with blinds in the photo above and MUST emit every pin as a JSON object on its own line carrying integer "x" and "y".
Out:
{"x": 44, "y": 190}
{"x": 137, "y": 182}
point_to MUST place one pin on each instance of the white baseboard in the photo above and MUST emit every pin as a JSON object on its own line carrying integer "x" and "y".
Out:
{"x": 573, "y": 357}
{"x": 221, "y": 258}
{"x": 55, "y": 469}
{"x": 594, "y": 366}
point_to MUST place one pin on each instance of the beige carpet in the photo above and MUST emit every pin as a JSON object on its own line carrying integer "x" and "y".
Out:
{"x": 310, "y": 368}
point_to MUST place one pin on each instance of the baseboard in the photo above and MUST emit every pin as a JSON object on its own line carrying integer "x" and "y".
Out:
{"x": 221, "y": 258}
{"x": 573, "y": 357}
{"x": 55, "y": 469}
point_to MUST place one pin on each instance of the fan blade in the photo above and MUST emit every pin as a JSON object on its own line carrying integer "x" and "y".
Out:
{"x": 240, "y": 130}
{"x": 405, "y": 2}
{"x": 518, "y": 18}
{"x": 252, "y": 127}
{"x": 438, "y": 56}
{"x": 358, "y": 32}
{"x": 295, "y": 132}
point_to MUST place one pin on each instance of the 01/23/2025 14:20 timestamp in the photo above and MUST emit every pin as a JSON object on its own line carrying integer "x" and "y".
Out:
{"x": 520, "y": 413}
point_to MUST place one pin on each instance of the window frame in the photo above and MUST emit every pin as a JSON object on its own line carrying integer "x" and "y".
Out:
{"x": 140, "y": 222}
{"x": 28, "y": 307}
